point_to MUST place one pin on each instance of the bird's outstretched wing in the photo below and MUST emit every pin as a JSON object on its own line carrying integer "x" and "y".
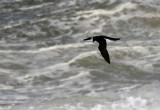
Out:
{"x": 89, "y": 38}
{"x": 105, "y": 54}
{"x": 111, "y": 38}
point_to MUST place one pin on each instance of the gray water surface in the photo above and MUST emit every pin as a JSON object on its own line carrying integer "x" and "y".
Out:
{"x": 46, "y": 65}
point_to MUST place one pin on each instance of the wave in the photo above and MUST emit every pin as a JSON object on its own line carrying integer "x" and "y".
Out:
{"x": 55, "y": 47}
{"x": 119, "y": 14}
{"x": 137, "y": 57}
{"x": 142, "y": 98}
{"x": 81, "y": 74}
{"x": 97, "y": 12}
{"x": 44, "y": 61}
{"x": 141, "y": 57}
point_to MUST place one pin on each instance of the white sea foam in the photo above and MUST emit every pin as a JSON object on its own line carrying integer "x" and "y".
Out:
{"x": 107, "y": 12}
{"x": 124, "y": 17}
{"x": 130, "y": 103}
{"x": 62, "y": 67}
{"x": 55, "y": 47}
{"x": 140, "y": 57}
{"x": 67, "y": 46}
{"x": 68, "y": 76}
{"x": 82, "y": 55}
{"x": 142, "y": 98}
{"x": 36, "y": 6}
{"x": 81, "y": 74}
{"x": 11, "y": 24}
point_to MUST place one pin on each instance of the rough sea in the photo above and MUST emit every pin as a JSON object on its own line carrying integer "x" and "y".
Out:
{"x": 46, "y": 65}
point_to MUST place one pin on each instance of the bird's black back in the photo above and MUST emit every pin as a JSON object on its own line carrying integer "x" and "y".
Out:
{"x": 102, "y": 48}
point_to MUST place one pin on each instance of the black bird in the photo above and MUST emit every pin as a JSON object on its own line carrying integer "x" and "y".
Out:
{"x": 102, "y": 45}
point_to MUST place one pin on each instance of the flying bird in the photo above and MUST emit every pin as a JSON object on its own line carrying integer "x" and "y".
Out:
{"x": 102, "y": 45}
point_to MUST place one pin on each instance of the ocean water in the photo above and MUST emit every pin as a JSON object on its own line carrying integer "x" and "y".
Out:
{"x": 46, "y": 65}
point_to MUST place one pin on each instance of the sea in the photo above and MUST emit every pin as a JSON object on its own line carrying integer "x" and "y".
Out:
{"x": 46, "y": 65}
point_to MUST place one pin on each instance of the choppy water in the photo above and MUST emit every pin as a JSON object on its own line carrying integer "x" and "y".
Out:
{"x": 45, "y": 65}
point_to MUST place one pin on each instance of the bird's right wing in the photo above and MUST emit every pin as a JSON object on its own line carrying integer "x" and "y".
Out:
{"x": 105, "y": 54}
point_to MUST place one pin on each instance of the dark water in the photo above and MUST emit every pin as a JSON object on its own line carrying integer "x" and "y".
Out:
{"x": 45, "y": 65}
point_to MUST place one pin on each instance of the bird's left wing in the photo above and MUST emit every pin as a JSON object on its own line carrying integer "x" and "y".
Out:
{"x": 89, "y": 38}
{"x": 111, "y": 38}
{"x": 105, "y": 54}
